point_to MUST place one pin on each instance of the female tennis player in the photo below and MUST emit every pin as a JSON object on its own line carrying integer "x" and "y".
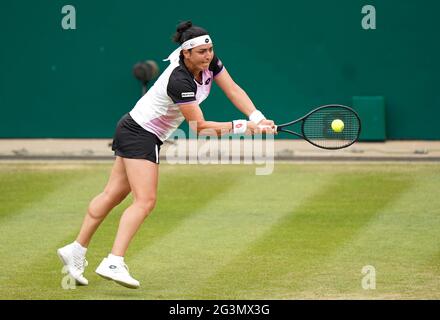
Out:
{"x": 174, "y": 97}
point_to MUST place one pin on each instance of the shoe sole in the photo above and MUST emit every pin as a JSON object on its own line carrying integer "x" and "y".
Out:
{"x": 105, "y": 277}
{"x": 124, "y": 284}
{"x": 65, "y": 264}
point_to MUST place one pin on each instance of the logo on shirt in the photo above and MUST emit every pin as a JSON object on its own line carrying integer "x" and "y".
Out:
{"x": 188, "y": 94}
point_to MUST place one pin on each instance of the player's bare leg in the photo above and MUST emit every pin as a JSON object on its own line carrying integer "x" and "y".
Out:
{"x": 114, "y": 193}
{"x": 73, "y": 254}
{"x": 143, "y": 177}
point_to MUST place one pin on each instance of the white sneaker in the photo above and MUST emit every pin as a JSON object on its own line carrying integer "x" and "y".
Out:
{"x": 118, "y": 272}
{"x": 75, "y": 262}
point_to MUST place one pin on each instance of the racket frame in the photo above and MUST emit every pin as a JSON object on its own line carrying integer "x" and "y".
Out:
{"x": 280, "y": 128}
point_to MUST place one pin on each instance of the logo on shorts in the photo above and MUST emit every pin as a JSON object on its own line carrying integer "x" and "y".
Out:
{"x": 188, "y": 94}
{"x": 239, "y": 125}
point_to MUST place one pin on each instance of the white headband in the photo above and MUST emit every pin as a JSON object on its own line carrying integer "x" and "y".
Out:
{"x": 195, "y": 42}
{"x": 191, "y": 43}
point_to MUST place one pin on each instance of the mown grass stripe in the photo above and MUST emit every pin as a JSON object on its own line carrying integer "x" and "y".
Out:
{"x": 20, "y": 190}
{"x": 31, "y": 235}
{"x": 402, "y": 243}
{"x": 295, "y": 248}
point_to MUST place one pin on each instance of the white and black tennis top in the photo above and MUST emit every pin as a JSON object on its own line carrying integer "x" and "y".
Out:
{"x": 158, "y": 110}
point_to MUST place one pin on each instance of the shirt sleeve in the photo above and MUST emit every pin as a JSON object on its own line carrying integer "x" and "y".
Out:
{"x": 181, "y": 89}
{"x": 216, "y": 66}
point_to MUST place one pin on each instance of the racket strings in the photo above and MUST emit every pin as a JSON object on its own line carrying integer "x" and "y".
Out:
{"x": 317, "y": 127}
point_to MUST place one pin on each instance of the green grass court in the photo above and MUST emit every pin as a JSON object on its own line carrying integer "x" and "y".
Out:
{"x": 221, "y": 232}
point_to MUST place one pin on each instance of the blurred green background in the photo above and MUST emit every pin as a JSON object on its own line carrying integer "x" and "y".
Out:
{"x": 290, "y": 56}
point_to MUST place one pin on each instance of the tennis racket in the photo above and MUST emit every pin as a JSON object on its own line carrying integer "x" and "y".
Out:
{"x": 328, "y": 127}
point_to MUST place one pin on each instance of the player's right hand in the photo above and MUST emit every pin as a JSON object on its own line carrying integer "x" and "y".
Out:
{"x": 265, "y": 126}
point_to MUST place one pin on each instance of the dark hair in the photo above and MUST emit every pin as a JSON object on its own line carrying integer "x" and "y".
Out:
{"x": 185, "y": 31}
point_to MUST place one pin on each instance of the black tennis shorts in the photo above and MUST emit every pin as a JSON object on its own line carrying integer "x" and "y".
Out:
{"x": 134, "y": 142}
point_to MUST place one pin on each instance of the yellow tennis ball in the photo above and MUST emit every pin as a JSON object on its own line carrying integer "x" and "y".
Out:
{"x": 337, "y": 125}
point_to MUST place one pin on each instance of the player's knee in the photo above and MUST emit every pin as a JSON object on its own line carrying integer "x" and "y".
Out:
{"x": 94, "y": 211}
{"x": 146, "y": 205}
{"x": 104, "y": 202}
